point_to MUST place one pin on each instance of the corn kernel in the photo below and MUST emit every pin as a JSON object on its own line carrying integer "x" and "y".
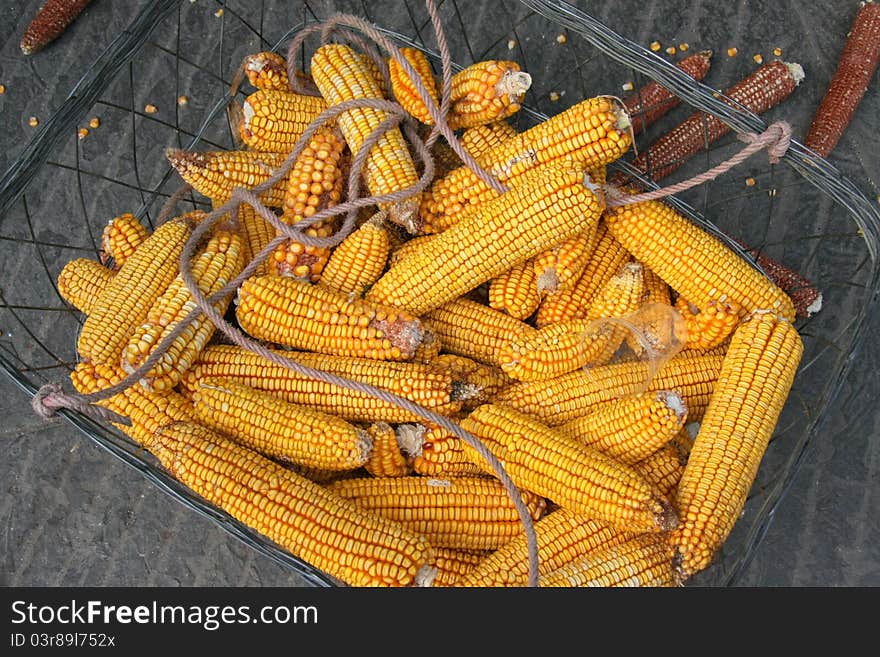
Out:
{"x": 33, "y": 121}
{"x": 94, "y": 122}
{"x": 670, "y": 50}
{"x": 561, "y": 38}
{"x": 750, "y": 182}
{"x": 627, "y": 86}
{"x": 683, "y": 47}
{"x": 655, "y": 46}
{"x": 2, "y": 89}
{"x": 219, "y": 12}
{"x": 732, "y": 52}
{"x": 82, "y": 133}
{"x": 511, "y": 44}
{"x": 182, "y": 100}
{"x": 758, "y": 58}
{"x": 554, "y": 96}
{"x": 777, "y": 52}
{"x": 149, "y": 108}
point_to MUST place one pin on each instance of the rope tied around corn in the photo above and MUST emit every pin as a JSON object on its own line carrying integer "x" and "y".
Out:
{"x": 50, "y": 397}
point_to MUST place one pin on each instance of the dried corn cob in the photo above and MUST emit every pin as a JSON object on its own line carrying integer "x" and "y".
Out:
{"x": 856, "y": 67}
{"x": 469, "y": 513}
{"x": 121, "y": 238}
{"x": 450, "y": 565}
{"x": 561, "y": 138}
{"x": 82, "y": 281}
{"x": 574, "y": 476}
{"x": 645, "y": 560}
{"x": 429, "y": 348}
{"x": 128, "y": 297}
{"x": 373, "y": 69}
{"x": 219, "y": 262}
{"x": 653, "y": 100}
{"x": 216, "y": 173}
{"x": 278, "y": 429}
{"x": 423, "y": 384}
{"x": 606, "y": 259}
{"x": 470, "y": 329}
{"x": 341, "y": 75}
{"x": 273, "y": 121}
{"x": 559, "y": 268}
{"x": 694, "y": 263}
{"x": 563, "y": 536}
{"x": 708, "y": 328}
{"x": 386, "y": 459}
{"x": 632, "y": 428}
{"x": 552, "y": 204}
{"x": 752, "y": 387}
{"x": 404, "y": 88}
{"x": 486, "y": 379}
{"x": 147, "y": 411}
{"x": 515, "y": 292}
{"x": 408, "y": 248}
{"x": 664, "y": 467}
{"x": 656, "y": 289}
{"x": 482, "y": 138}
{"x": 567, "y": 397}
{"x": 297, "y": 314}
{"x": 302, "y": 517}
{"x": 485, "y": 92}
{"x": 52, "y": 19}
{"x": 765, "y": 88}
{"x": 359, "y": 260}
{"x": 435, "y": 452}
{"x": 267, "y": 70}
{"x": 256, "y": 234}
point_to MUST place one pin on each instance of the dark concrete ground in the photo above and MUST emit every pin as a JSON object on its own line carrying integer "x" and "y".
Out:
{"x": 71, "y": 515}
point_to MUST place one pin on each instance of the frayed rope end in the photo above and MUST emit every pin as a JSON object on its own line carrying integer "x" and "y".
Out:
{"x": 50, "y": 397}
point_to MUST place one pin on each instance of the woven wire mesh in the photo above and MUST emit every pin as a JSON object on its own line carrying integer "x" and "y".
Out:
{"x": 57, "y": 197}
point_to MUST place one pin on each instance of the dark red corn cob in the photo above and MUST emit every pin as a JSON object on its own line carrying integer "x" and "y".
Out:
{"x": 653, "y": 100}
{"x": 50, "y": 22}
{"x": 856, "y": 67}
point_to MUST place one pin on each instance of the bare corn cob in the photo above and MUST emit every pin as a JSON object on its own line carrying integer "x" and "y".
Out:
{"x": 645, "y": 560}
{"x": 470, "y": 329}
{"x": 470, "y": 513}
{"x": 267, "y": 70}
{"x": 752, "y": 387}
{"x": 480, "y": 139}
{"x": 551, "y": 205}
{"x": 273, "y": 121}
{"x": 487, "y": 380}
{"x": 632, "y": 428}
{"x": 216, "y": 173}
{"x": 694, "y": 263}
{"x": 567, "y": 397}
{"x": 435, "y": 452}
{"x": 664, "y": 467}
{"x": 121, "y": 237}
{"x": 341, "y": 75}
{"x": 297, "y": 314}
{"x": 451, "y": 565}
{"x": 485, "y": 92}
{"x": 561, "y": 138}
{"x": 576, "y": 477}
{"x": 708, "y": 328}
{"x": 404, "y": 88}
{"x": 426, "y": 386}
{"x": 128, "y": 297}
{"x": 305, "y": 519}
{"x": 147, "y": 411}
{"x": 386, "y": 458}
{"x": 219, "y": 262}
{"x": 563, "y": 536}
{"x": 82, "y": 281}
{"x": 559, "y": 268}
{"x": 606, "y": 259}
{"x": 315, "y": 182}
{"x": 279, "y": 429}
{"x": 359, "y": 260}
{"x": 516, "y": 291}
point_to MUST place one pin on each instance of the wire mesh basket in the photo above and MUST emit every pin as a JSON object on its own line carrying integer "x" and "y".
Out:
{"x": 56, "y": 198}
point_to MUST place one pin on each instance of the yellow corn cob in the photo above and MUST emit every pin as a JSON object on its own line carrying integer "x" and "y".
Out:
{"x": 553, "y": 204}
{"x": 451, "y": 565}
{"x": 267, "y": 70}
{"x": 470, "y": 329}
{"x": 664, "y": 467}
{"x": 606, "y": 260}
{"x": 482, "y": 138}
{"x": 426, "y": 386}
{"x": 656, "y": 289}
{"x": 563, "y": 536}
{"x": 645, "y": 560}
{"x": 279, "y": 429}
{"x": 435, "y": 452}
{"x": 515, "y": 291}
{"x": 359, "y": 260}
{"x": 710, "y": 326}
{"x": 219, "y": 262}
{"x": 341, "y": 75}
{"x": 487, "y": 380}
{"x": 216, "y": 173}
{"x": 567, "y": 397}
{"x": 576, "y": 477}
{"x": 121, "y": 237}
{"x": 126, "y": 300}
{"x": 486, "y": 92}
{"x": 297, "y": 314}
{"x": 256, "y": 233}
{"x": 82, "y": 281}
{"x": 315, "y": 182}
{"x": 386, "y": 458}
{"x": 559, "y": 268}
{"x": 305, "y": 519}
{"x": 592, "y": 133}
{"x": 471, "y": 513}
{"x": 621, "y": 294}
{"x": 147, "y": 410}
{"x": 429, "y": 348}
{"x": 404, "y": 88}
{"x": 274, "y": 121}
{"x": 752, "y": 387}
{"x": 632, "y": 428}
{"x": 694, "y": 263}
{"x": 408, "y": 248}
